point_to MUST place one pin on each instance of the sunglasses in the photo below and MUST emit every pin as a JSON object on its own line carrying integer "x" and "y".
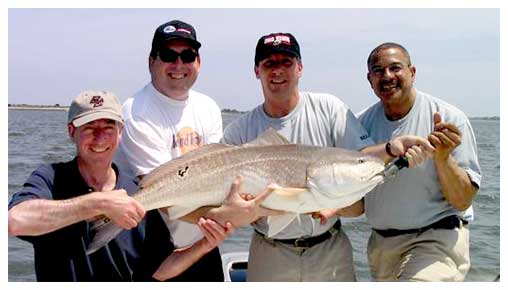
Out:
{"x": 169, "y": 55}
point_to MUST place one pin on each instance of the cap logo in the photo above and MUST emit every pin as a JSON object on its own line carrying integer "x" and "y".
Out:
{"x": 183, "y": 30}
{"x": 97, "y": 101}
{"x": 277, "y": 40}
{"x": 169, "y": 29}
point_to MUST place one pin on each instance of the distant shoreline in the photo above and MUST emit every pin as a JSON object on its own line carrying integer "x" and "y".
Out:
{"x": 495, "y": 118}
{"x": 55, "y": 108}
{"x": 40, "y": 108}
{"x": 62, "y": 108}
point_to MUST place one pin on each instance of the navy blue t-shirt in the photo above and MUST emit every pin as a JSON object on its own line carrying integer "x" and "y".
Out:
{"x": 134, "y": 255}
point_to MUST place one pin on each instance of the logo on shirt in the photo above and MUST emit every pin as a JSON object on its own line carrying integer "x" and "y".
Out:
{"x": 187, "y": 140}
{"x": 363, "y": 137}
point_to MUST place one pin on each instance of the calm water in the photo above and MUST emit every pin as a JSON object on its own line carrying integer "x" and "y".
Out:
{"x": 37, "y": 137}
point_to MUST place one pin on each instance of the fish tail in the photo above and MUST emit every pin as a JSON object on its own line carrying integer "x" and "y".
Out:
{"x": 102, "y": 231}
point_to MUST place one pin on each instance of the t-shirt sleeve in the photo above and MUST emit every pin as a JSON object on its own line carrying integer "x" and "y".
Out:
{"x": 466, "y": 154}
{"x": 350, "y": 133}
{"x": 215, "y": 131}
{"x": 39, "y": 185}
{"x": 233, "y": 134}
{"x": 143, "y": 147}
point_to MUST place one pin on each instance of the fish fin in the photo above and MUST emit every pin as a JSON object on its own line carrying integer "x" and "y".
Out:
{"x": 176, "y": 212}
{"x": 268, "y": 137}
{"x": 180, "y": 165}
{"x": 289, "y": 191}
{"x": 102, "y": 230}
{"x": 277, "y": 223}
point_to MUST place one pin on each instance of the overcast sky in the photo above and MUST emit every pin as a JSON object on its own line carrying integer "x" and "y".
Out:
{"x": 54, "y": 54}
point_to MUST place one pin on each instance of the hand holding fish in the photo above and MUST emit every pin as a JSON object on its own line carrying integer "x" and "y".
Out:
{"x": 354, "y": 210}
{"x": 214, "y": 233}
{"x": 242, "y": 212}
{"x": 122, "y": 209}
{"x": 415, "y": 148}
{"x": 182, "y": 258}
{"x": 445, "y": 137}
{"x": 325, "y": 214}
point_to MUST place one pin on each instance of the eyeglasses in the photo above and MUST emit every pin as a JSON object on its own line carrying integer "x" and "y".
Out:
{"x": 169, "y": 55}
{"x": 392, "y": 68}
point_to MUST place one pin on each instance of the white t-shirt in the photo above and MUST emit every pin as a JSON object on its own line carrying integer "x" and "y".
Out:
{"x": 158, "y": 129}
{"x": 317, "y": 119}
{"x": 414, "y": 199}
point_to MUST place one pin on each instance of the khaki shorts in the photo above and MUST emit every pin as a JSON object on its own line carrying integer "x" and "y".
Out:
{"x": 434, "y": 255}
{"x": 331, "y": 260}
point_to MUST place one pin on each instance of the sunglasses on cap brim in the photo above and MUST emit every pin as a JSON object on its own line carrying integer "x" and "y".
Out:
{"x": 169, "y": 55}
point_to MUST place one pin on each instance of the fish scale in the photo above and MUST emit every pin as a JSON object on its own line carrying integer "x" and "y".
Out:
{"x": 268, "y": 163}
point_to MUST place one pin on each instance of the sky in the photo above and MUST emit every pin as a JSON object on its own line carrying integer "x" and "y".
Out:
{"x": 53, "y": 54}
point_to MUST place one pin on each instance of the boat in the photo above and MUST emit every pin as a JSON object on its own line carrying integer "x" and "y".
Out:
{"x": 234, "y": 265}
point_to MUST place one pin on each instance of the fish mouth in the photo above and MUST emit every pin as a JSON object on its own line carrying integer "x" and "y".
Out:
{"x": 383, "y": 173}
{"x": 380, "y": 173}
{"x": 377, "y": 177}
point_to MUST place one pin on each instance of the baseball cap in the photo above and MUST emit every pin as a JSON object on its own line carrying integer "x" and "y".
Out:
{"x": 174, "y": 29}
{"x": 89, "y": 106}
{"x": 276, "y": 43}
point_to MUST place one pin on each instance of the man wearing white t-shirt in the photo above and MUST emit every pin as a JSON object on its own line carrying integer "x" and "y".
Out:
{"x": 166, "y": 119}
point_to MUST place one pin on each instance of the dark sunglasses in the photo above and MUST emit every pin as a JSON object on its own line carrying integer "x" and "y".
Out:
{"x": 169, "y": 55}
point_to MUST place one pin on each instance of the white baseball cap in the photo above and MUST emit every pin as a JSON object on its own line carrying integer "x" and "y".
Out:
{"x": 89, "y": 106}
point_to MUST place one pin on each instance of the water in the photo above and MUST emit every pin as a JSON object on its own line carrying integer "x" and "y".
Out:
{"x": 37, "y": 137}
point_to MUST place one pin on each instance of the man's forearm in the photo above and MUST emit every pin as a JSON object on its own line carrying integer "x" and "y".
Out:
{"x": 378, "y": 151}
{"x": 41, "y": 216}
{"x": 455, "y": 183}
{"x": 194, "y": 216}
{"x": 179, "y": 261}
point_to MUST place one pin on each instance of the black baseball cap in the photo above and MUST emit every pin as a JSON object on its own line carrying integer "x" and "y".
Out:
{"x": 174, "y": 29}
{"x": 276, "y": 43}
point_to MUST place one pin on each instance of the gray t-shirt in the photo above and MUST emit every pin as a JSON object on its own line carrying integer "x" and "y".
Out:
{"x": 318, "y": 119}
{"x": 414, "y": 199}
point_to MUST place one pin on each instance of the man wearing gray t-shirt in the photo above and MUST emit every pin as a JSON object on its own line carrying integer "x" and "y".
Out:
{"x": 312, "y": 247}
{"x": 419, "y": 219}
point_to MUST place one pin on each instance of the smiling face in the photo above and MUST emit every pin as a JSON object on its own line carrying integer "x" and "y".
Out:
{"x": 96, "y": 141}
{"x": 279, "y": 75}
{"x": 174, "y": 79}
{"x": 391, "y": 76}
